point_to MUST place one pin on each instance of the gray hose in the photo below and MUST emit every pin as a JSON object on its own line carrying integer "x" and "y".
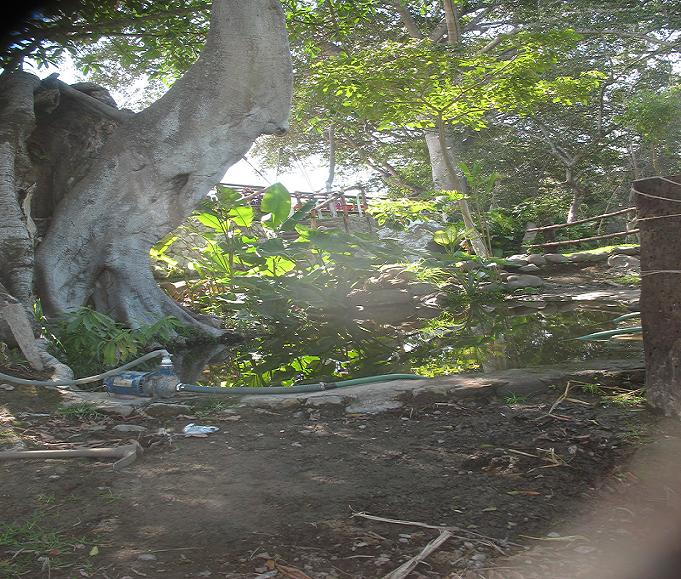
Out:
{"x": 87, "y": 380}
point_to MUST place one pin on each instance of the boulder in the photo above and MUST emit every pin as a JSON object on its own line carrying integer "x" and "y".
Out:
{"x": 624, "y": 262}
{"x": 421, "y": 288}
{"x": 588, "y": 257}
{"x": 529, "y": 268}
{"x": 515, "y": 263}
{"x": 470, "y": 266}
{"x": 166, "y": 410}
{"x": 626, "y": 250}
{"x": 436, "y": 299}
{"x": 555, "y": 258}
{"x": 520, "y": 281}
{"x": 536, "y": 259}
{"x": 379, "y": 297}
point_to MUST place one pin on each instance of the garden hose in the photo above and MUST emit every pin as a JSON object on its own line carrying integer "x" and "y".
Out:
{"x": 627, "y": 317}
{"x": 611, "y": 333}
{"x": 89, "y": 379}
{"x": 302, "y": 388}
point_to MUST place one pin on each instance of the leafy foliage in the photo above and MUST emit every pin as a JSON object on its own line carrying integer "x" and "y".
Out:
{"x": 89, "y": 341}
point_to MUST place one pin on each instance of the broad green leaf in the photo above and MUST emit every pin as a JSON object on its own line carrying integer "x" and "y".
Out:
{"x": 241, "y": 216}
{"x": 298, "y": 216}
{"x": 210, "y": 220}
{"x": 226, "y": 195}
{"x": 276, "y": 202}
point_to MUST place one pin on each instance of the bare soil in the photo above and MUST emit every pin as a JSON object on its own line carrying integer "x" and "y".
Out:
{"x": 273, "y": 494}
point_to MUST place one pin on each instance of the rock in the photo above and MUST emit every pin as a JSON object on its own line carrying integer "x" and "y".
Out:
{"x": 435, "y": 300}
{"x": 625, "y": 250}
{"x": 588, "y": 257}
{"x": 331, "y": 400}
{"x": 520, "y": 281}
{"x": 529, "y": 268}
{"x": 166, "y": 410}
{"x": 555, "y": 258}
{"x": 265, "y": 401}
{"x": 379, "y": 297}
{"x": 515, "y": 263}
{"x": 519, "y": 256}
{"x": 129, "y": 428}
{"x": 7, "y": 387}
{"x": 421, "y": 288}
{"x": 122, "y": 410}
{"x": 626, "y": 262}
{"x": 536, "y": 259}
{"x": 147, "y": 557}
{"x": 470, "y": 265}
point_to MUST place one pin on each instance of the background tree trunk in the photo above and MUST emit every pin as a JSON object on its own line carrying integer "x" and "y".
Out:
{"x": 446, "y": 176}
{"x": 656, "y": 199}
{"x": 141, "y": 174}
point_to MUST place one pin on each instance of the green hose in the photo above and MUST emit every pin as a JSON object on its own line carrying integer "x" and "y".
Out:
{"x": 611, "y": 333}
{"x": 318, "y": 387}
{"x": 627, "y": 317}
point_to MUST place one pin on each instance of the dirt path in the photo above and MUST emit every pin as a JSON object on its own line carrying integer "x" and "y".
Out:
{"x": 280, "y": 488}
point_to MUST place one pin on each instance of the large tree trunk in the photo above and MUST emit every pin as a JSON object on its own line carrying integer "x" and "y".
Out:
{"x": 146, "y": 172}
{"x": 659, "y": 201}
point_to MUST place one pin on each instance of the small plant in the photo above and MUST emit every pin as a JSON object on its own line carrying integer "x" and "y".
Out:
{"x": 89, "y": 341}
{"x": 628, "y": 399}
{"x": 512, "y": 399}
{"x": 210, "y": 408}
{"x": 81, "y": 412}
{"x": 630, "y": 279}
{"x": 593, "y": 389}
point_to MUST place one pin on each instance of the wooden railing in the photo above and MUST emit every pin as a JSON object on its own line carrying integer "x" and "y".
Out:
{"x": 551, "y": 228}
{"x": 343, "y": 202}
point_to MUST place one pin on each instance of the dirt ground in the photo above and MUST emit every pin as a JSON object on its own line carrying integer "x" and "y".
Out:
{"x": 279, "y": 493}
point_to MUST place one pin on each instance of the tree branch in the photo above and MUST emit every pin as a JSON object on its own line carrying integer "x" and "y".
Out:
{"x": 407, "y": 19}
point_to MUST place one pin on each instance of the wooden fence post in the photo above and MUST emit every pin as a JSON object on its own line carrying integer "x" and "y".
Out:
{"x": 659, "y": 220}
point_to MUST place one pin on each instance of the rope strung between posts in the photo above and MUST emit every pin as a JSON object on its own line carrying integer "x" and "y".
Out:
{"x": 658, "y": 217}
{"x": 656, "y": 196}
{"x": 655, "y": 272}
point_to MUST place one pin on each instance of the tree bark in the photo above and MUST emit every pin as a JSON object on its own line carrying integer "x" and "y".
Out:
{"x": 659, "y": 204}
{"x": 447, "y": 177}
{"x": 157, "y": 165}
{"x": 17, "y": 120}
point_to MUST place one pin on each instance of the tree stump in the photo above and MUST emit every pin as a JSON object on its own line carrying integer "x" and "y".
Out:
{"x": 659, "y": 205}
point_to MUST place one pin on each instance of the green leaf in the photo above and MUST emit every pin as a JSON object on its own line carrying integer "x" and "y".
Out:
{"x": 226, "y": 195}
{"x": 242, "y": 216}
{"x": 210, "y": 220}
{"x": 276, "y": 201}
{"x": 298, "y": 216}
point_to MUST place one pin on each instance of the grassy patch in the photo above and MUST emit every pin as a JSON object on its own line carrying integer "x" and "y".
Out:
{"x": 631, "y": 279}
{"x": 211, "y": 407}
{"x": 629, "y": 399}
{"x": 30, "y": 548}
{"x": 604, "y": 249}
{"x": 622, "y": 397}
{"x": 81, "y": 412}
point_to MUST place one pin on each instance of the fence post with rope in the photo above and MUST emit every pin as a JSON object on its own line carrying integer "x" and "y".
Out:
{"x": 659, "y": 210}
